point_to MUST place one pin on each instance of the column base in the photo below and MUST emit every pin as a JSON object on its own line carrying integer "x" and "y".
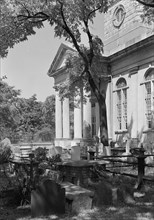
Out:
{"x": 63, "y": 142}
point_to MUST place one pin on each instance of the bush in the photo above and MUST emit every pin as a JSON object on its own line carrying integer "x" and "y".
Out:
{"x": 40, "y": 154}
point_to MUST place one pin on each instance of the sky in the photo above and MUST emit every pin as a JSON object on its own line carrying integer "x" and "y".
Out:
{"x": 27, "y": 64}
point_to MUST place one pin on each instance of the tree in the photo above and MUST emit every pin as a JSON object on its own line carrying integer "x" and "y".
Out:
{"x": 36, "y": 119}
{"x": 25, "y": 119}
{"x": 70, "y": 19}
{"x": 9, "y": 117}
{"x": 47, "y": 132}
{"x": 31, "y": 117}
{"x": 48, "y": 110}
{"x": 12, "y": 31}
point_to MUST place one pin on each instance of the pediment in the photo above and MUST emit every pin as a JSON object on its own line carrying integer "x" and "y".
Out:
{"x": 60, "y": 59}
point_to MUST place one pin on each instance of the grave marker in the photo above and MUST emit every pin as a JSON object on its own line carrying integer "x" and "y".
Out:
{"x": 48, "y": 198}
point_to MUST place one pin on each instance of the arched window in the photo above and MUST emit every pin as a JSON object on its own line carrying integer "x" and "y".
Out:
{"x": 121, "y": 104}
{"x": 149, "y": 96}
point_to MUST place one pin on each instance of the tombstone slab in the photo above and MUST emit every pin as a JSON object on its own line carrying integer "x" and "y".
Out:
{"x": 48, "y": 198}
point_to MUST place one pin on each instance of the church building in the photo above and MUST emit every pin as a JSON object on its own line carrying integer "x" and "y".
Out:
{"x": 129, "y": 61}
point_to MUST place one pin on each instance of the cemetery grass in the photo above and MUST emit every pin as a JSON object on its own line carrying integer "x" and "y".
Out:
{"x": 141, "y": 210}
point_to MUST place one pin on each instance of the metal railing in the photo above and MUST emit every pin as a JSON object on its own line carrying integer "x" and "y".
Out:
{"x": 117, "y": 161}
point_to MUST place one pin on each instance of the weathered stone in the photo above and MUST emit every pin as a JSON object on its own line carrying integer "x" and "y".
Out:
{"x": 78, "y": 198}
{"x": 103, "y": 195}
{"x": 109, "y": 194}
{"x": 125, "y": 195}
{"x": 37, "y": 204}
{"x": 48, "y": 198}
{"x": 80, "y": 203}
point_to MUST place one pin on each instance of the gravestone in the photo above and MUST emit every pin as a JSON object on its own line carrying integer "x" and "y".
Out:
{"x": 48, "y": 198}
{"x": 81, "y": 203}
{"x": 107, "y": 194}
{"x": 102, "y": 195}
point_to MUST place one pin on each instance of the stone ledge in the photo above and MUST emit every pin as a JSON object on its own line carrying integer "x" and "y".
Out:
{"x": 71, "y": 190}
{"x": 80, "y": 163}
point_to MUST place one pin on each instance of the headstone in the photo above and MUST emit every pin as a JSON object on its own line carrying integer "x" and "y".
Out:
{"x": 75, "y": 153}
{"x": 37, "y": 204}
{"x": 81, "y": 203}
{"x": 107, "y": 194}
{"x": 48, "y": 198}
{"x": 108, "y": 151}
{"x": 58, "y": 150}
{"x": 125, "y": 195}
{"x": 102, "y": 195}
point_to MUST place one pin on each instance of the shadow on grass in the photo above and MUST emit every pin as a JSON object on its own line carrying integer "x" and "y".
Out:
{"x": 139, "y": 211}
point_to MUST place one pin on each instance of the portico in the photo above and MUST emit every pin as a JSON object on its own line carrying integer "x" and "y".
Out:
{"x": 73, "y": 124}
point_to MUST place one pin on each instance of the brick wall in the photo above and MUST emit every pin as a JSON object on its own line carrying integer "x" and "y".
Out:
{"x": 76, "y": 175}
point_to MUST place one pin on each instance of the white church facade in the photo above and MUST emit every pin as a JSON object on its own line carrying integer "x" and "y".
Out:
{"x": 129, "y": 63}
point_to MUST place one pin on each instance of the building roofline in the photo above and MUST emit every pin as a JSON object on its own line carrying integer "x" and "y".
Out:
{"x": 62, "y": 47}
{"x": 139, "y": 45}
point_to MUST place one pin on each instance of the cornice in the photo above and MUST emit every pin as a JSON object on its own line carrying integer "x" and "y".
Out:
{"x": 58, "y": 72}
{"x": 61, "y": 51}
{"x": 133, "y": 48}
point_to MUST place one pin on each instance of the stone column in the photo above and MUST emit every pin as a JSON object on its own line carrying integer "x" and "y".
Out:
{"x": 133, "y": 99}
{"x": 58, "y": 116}
{"x": 97, "y": 120}
{"x": 66, "y": 119}
{"x": 87, "y": 119}
{"x": 78, "y": 112}
{"x": 108, "y": 109}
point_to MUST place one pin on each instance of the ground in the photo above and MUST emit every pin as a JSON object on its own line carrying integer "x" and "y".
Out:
{"x": 141, "y": 210}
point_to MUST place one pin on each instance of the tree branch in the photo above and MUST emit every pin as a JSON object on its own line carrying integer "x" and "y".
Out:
{"x": 67, "y": 29}
{"x": 146, "y": 4}
{"x": 39, "y": 15}
{"x": 85, "y": 21}
{"x": 93, "y": 11}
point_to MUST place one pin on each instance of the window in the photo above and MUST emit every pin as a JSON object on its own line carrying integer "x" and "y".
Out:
{"x": 119, "y": 115}
{"x": 149, "y": 96}
{"x": 121, "y": 104}
{"x": 125, "y": 107}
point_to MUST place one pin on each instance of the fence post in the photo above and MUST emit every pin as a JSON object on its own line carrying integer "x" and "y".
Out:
{"x": 141, "y": 167}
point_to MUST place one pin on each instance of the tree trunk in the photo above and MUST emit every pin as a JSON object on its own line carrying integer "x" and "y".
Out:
{"x": 102, "y": 110}
{"x": 103, "y": 120}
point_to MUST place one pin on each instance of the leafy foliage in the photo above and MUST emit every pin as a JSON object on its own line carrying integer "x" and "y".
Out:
{"x": 9, "y": 117}
{"x": 12, "y": 30}
{"x": 60, "y": 14}
{"x": 40, "y": 154}
{"x": 25, "y": 119}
